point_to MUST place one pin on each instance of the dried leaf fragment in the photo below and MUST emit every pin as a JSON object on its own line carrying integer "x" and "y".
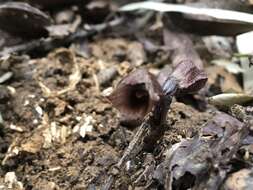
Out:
{"x": 222, "y": 80}
{"x": 198, "y": 163}
{"x": 230, "y": 66}
{"x": 23, "y": 19}
{"x": 229, "y": 99}
{"x": 214, "y": 13}
{"x": 214, "y": 19}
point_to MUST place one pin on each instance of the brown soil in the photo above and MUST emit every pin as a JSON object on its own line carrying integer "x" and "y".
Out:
{"x": 49, "y": 155}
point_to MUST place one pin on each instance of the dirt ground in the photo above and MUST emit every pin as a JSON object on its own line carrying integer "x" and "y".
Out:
{"x": 59, "y": 131}
{"x": 66, "y": 160}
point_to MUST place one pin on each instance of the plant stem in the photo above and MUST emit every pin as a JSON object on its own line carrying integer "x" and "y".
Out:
{"x": 150, "y": 131}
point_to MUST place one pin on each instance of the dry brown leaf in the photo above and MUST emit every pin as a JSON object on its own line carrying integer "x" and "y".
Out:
{"x": 23, "y": 19}
{"x": 222, "y": 79}
{"x": 228, "y": 99}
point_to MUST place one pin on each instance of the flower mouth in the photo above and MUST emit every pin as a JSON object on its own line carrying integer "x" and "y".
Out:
{"x": 138, "y": 96}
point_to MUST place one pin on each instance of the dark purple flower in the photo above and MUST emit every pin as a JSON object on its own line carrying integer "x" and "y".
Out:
{"x": 136, "y": 95}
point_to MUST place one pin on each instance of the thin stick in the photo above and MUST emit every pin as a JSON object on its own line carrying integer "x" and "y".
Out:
{"x": 135, "y": 145}
{"x": 47, "y": 44}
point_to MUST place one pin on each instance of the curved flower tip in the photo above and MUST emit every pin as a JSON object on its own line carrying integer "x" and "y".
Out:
{"x": 190, "y": 77}
{"x": 135, "y": 95}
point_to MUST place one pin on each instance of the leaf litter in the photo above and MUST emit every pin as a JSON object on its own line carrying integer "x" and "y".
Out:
{"x": 59, "y": 129}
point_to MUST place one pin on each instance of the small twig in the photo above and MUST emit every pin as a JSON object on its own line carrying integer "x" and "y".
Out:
{"x": 109, "y": 183}
{"x": 132, "y": 150}
{"x": 47, "y": 44}
{"x": 135, "y": 145}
